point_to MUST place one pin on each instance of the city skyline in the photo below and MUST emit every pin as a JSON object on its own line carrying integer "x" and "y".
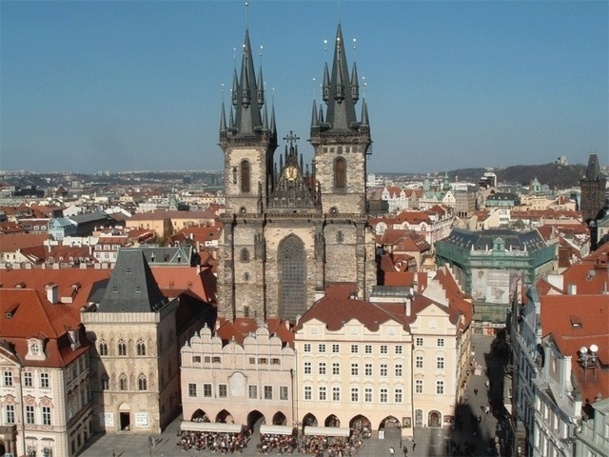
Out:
{"x": 114, "y": 86}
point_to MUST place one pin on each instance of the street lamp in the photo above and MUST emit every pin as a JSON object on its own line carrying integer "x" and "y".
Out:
{"x": 587, "y": 358}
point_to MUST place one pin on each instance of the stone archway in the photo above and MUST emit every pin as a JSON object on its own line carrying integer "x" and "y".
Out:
{"x": 199, "y": 416}
{"x": 309, "y": 419}
{"x": 434, "y": 418}
{"x": 360, "y": 426}
{"x": 124, "y": 417}
{"x": 253, "y": 419}
{"x": 332, "y": 421}
{"x": 279, "y": 418}
{"x": 225, "y": 417}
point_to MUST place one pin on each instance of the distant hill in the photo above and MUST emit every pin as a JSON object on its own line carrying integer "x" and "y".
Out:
{"x": 554, "y": 175}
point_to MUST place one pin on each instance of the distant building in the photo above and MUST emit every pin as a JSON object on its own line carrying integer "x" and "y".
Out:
{"x": 593, "y": 196}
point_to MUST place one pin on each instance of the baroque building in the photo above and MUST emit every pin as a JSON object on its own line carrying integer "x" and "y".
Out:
{"x": 291, "y": 229}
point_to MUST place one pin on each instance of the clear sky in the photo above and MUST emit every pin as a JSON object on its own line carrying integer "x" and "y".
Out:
{"x": 138, "y": 85}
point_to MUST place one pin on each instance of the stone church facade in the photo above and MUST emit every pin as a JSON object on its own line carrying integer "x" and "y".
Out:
{"x": 291, "y": 229}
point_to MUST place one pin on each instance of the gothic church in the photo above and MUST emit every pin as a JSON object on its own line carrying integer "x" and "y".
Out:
{"x": 292, "y": 229}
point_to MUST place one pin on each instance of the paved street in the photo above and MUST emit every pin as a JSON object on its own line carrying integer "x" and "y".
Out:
{"x": 470, "y": 437}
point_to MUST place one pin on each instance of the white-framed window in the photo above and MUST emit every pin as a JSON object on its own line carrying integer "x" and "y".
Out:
{"x": 30, "y": 416}
{"x": 323, "y": 393}
{"x": 418, "y": 386}
{"x": 419, "y": 361}
{"x": 398, "y": 396}
{"x": 335, "y": 368}
{"x": 307, "y": 367}
{"x": 398, "y": 349}
{"x": 46, "y": 415}
{"x": 307, "y": 392}
{"x": 207, "y": 390}
{"x": 322, "y": 367}
{"x": 440, "y": 363}
{"x": 44, "y": 380}
{"x": 419, "y": 341}
{"x": 383, "y": 397}
{"x": 335, "y": 348}
{"x": 335, "y": 393}
{"x": 354, "y": 349}
{"x": 440, "y": 342}
{"x": 222, "y": 391}
{"x": 28, "y": 379}
{"x": 383, "y": 349}
{"x": 122, "y": 348}
{"x": 368, "y": 394}
{"x": 368, "y": 349}
{"x": 354, "y": 369}
{"x": 398, "y": 369}
{"x": 253, "y": 391}
{"x": 322, "y": 347}
{"x": 10, "y": 414}
{"x": 368, "y": 369}
{"x": 142, "y": 382}
{"x": 307, "y": 347}
{"x": 268, "y": 392}
{"x": 8, "y": 378}
{"x": 354, "y": 394}
{"x": 383, "y": 369}
{"x": 192, "y": 389}
{"x": 440, "y": 387}
{"x": 283, "y": 392}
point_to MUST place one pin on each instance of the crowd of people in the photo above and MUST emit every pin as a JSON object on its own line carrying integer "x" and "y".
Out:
{"x": 224, "y": 443}
{"x": 282, "y": 444}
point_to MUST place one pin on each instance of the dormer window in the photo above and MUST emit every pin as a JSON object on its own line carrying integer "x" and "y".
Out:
{"x": 35, "y": 350}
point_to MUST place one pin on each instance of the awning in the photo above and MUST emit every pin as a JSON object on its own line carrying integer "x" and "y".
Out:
{"x": 217, "y": 427}
{"x": 276, "y": 429}
{"x": 326, "y": 431}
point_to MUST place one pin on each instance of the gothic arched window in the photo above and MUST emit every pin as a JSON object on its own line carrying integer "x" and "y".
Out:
{"x": 105, "y": 382}
{"x": 245, "y": 176}
{"x": 141, "y": 347}
{"x": 142, "y": 384}
{"x": 122, "y": 347}
{"x": 245, "y": 255}
{"x": 103, "y": 348}
{"x": 292, "y": 277}
{"x": 340, "y": 173}
{"x": 122, "y": 382}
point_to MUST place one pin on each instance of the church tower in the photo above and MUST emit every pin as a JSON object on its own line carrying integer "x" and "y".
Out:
{"x": 290, "y": 228}
{"x": 593, "y": 196}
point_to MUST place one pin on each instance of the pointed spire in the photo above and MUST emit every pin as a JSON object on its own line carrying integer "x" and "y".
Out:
{"x": 265, "y": 118}
{"x": 365, "y": 121}
{"x": 321, "y": 114}
{"x": 593, "y": 171}
{"x": 260, "y": 88}
{"x": 231, "y": 121}
{"x": 314, "y": 122}
{"x": 354, "y": 84}
{"x": 326, "y": 84}
{"x": 223, "y": 119}
{"x": 248, "y": 117}
{"x": 235, "y": 90}
{"x": 273, "y": 126}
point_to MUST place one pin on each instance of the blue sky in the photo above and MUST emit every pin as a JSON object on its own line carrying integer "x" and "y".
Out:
{"x": 137, "y": 85}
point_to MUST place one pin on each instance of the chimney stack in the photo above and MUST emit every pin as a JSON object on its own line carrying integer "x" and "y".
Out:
{"x": 408, "y": 306}
{"x": 52, "y": 294}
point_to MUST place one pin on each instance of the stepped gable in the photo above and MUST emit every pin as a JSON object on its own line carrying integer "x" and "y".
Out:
{"x": 132, "y": 287}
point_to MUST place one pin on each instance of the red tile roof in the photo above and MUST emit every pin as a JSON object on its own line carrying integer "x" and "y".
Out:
{"x": 10, "y": 243}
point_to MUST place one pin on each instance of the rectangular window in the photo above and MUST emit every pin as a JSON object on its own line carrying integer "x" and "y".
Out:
{"x": 354, "y": 369}
{"x": 383, "y": 349}
{"x": 368, "y": 369}
{"x": 222, "y": 391}
{"x": 253, "y": 392}
{"x": 307, "y": 392}
{"x": 335, "y": 348}
{"x": 196, "y": 359}
{"x": 322, "y": 367}
{"x": 46, "y": 415}
{"x": 398, "y": 349}
{"x": 322, "y": 393}
{"x": 44, "y": 380}
{"x": 307, "y": 367}
{"x": 368, "y": 349}
{"x": 335, "y": 393}
{"x": 383, "y": 396}
{"x": 307, "y": 347}
{"x": 398, "y": 369}
{"x": 354, "y": 349}
{"x": 336, "y": 368}
{"x": 10, "y": 414}
{"x": 27, "y": 379}
{"x": 263, "y": 361}
{"x": 192, "y": 390}
{"x": 419, "y": 361}
{"x": 252, "y": 360}
{"x": 268, "y": 392}
{"x": 440, "y": 342}
{"x": 322, "y": 348}
{"x": 398, "y": 396}
{"x": 440, "y": 363}
{"x": 207, "y": 359}
{"x": 275, "y": 361}
{"x": 283, "y": 392}
{"x": 419, "y": 341}
{"x": 440, "y": 387}
{"x": 30, "y": 418}
{"x": 418, "y": 386}
{"x": 207, "y": 390}
{"x": 354, "y": 394}
{"x": 383, "y": 369}
{"x": 8, "y": 378}
{"x": 368, "y": 394}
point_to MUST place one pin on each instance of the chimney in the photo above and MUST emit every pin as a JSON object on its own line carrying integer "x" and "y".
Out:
{"x": 52, "y": 294}
{"x": 408, "y": 306}
{"x": 572, "y": 289}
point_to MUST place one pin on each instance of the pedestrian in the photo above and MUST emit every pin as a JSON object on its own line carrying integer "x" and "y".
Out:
{"x": 113, "y": 453}
{"x": 391, "y": 451}
{"x": 414, "y": 444}
{"x": 476, "y": 391}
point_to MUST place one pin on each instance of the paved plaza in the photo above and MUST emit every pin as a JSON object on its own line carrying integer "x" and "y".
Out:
{"x": 474, "y": 433}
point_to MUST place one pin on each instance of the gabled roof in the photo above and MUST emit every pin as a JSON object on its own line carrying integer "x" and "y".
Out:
{"x": 10, "y": 243}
